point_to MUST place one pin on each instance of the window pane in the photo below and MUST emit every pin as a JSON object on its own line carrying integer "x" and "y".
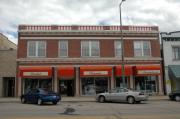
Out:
{"x": 31, "y": 48}
{"x": 146, "y": 48}
{"x": 94, "y": 48}
{"x": 137, "y": 48}
{"x": 85, "y": 48}
{"x": 118, "y": 51}
{"x": 63, "y": 47}
{"x": 176, "y": 53}
{"x": 41, "y": 48}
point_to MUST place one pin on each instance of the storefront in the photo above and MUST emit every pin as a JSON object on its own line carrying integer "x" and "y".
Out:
{"x": 147, "y": 78}
{"x": 128, "y": 72}
{"x": 95, "y": 79}
{"x": 36, "y": 77}
{"x": 66, "y": 78}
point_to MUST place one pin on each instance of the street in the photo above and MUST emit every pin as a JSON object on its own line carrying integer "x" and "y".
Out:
{"x": 160, "y": 109}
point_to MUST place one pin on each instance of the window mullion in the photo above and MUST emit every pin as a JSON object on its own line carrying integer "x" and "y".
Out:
{"x": 36, "y": 48}
{"x": 90, "y": 48}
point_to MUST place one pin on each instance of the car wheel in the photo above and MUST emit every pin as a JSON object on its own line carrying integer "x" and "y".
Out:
{"x": 54, "y": 103}
{"x": 39, "y": 102}
{"x": 101, "y": 99}
{"x": 177, "y": 98}
{"x": 130, "y": 100}
{"x": 23, "y": 100}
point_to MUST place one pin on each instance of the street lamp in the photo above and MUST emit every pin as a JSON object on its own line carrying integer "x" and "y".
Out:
{"x": 122, "y": 45}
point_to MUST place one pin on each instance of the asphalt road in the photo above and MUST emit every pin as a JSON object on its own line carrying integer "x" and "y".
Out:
{"x": 162, "y": 109}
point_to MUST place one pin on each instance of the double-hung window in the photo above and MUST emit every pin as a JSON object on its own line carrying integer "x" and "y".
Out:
{"x": 63, "y": 48}
{"x": 176, "y": 53}
{"x": 118, "y": 49}
{"x": 142, "y": 48}
{"x": 36, "y": 49}
{"x": 90, "y": 49}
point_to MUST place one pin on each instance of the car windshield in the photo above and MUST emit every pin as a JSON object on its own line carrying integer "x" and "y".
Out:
{"x": 43, "y": 91}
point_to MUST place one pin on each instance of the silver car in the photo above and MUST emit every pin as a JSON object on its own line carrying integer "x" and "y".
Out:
{"x": 122, "y": 95}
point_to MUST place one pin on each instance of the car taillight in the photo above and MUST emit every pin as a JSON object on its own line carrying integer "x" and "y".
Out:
{"x": 141, "y": 93}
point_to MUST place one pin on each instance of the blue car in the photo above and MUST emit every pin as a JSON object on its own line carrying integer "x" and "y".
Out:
{"x": 39, "y": 96}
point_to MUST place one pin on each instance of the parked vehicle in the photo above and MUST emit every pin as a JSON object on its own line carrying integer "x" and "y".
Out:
{"x": 39, "y": 96}
{"x": 175, "y": 95}
{"x": 122, "y": 95}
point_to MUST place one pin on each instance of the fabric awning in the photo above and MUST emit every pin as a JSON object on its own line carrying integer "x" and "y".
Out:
{"x": 147, "y": 70}
{"x": 39, "y": 71}
{"x": 95, "y": 71}
{"x": 174, "y": 71}
{"x": 127, "y": 70}
{"x": 66, "y": 72}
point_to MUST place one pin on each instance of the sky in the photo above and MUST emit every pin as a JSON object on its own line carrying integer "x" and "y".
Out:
{"x": 162, "y": 13}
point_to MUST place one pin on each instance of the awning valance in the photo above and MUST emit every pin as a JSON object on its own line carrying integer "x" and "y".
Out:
{"x": 127, "y": 70}
{"x": 95, "y": 71}
{"x": 147, "y": 70}
{"x": 30, "y": 72}
{"x": 67, "y": 72}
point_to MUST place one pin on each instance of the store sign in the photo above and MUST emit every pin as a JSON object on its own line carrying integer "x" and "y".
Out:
{"x": 35, "y": 73}
{"x": 148, "y": 71}
{"x": 95, "y": 73}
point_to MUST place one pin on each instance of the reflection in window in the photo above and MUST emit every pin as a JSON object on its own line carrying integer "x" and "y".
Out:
{"x": 63, "y": 48}
{"x": 90, "y": 49}
{"x": 36, "y": 49}
{"x": 142, "y": 48}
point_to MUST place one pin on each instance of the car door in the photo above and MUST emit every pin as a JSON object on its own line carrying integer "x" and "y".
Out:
{"x": 121, "y": 95}
{"x": 112, "y": 96}
{"x": 34, "y": 95}
{"x": 29, "y": 96}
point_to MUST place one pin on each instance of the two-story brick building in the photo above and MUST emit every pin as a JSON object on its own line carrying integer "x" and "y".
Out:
{"x": 85, "y": 60}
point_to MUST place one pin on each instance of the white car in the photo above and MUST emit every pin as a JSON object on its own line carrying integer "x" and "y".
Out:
{"x": 122, "y": 95}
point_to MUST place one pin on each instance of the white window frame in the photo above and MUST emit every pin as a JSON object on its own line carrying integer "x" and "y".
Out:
{"x": 173, "y": 53}
{"x": 90, "y": 48}
{"x": 116, "y": 48}
{"x": 36, "y": 48}
{"x": 142, "y": 50}
{"x": 59, "y": 48}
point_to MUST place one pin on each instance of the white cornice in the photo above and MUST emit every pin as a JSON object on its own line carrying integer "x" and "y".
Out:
{"x": 84, "y": 38}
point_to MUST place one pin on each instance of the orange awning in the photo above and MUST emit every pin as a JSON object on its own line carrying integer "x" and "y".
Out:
{"x": 95, "y": 71}
{"x": 30, "y": 72}
{"x": 66, "y": 72}
{"x": 127, "y": 70}
{"x": 147, "y": 70}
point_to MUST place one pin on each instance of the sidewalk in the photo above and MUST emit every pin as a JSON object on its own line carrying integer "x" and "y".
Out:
{"x": 76, "y": 99}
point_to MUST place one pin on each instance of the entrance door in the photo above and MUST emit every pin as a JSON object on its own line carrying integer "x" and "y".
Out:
{"x": 101, "y": 84}
{"x": 66, "y": 87}
{"x": 9, "y": 84}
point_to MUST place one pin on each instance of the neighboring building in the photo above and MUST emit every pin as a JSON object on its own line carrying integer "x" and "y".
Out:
{"x": 8, "y": 53}
{"x": 171, "y": 53}
{"x": 85, "y": 60}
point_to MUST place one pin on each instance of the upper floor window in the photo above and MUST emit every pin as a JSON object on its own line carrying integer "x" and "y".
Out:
{"x": 176, "y": 53}
{"x": 63, "y": 48}
{"x": 142, "y": 48}
{"x": 118, "y": 50}
{"x": 36, "y": 49}
{"x": 90, "y": 49}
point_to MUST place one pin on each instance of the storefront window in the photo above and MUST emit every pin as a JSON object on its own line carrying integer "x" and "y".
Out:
{"x": 92, "y": 86}
{"x": 37, "y": 83}
{"x": 146, "y": 84}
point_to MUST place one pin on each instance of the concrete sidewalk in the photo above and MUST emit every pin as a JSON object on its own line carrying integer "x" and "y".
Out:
{"x": 77, "y": 99}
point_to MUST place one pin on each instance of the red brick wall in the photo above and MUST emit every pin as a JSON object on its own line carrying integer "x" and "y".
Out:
{"x": 74, "y": 48}
{"x": 107, "y": 48}
{"x": 155, "y": 48}
{"x": 52, "y": 46}
{"x": 22, "y": 49}
{"x": 128, "y": 48}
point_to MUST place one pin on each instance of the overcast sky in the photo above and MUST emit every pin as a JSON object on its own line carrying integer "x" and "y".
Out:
{"x": 163, "y": 13}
